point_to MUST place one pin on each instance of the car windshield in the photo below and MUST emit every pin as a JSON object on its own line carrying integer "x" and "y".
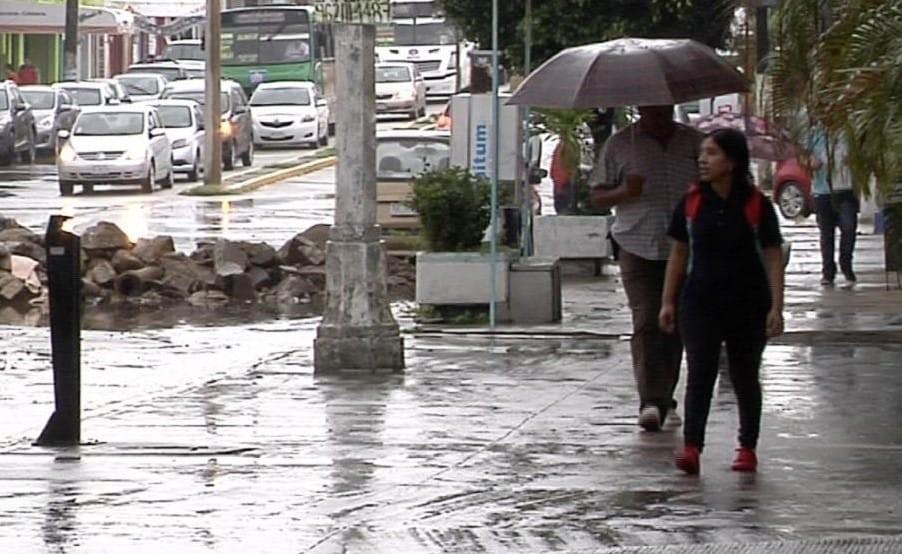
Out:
{"x": 86, "y": 96}
{"x": 175, "y": 116}
{"x": 4, "y": 101}
{"x": 393, "y": 74}
{"x": 140, "y": 85}
{"x": 281, "y": 97}
{"x": 408, "y": 157}
{"x": 184, "y": 52}
{"x": 423, "y": 33}
{"x": 170, "y": 73}
{"x": 198, "y": 97}
{"x": 109, "y": 123}
{"x": 40, "y": 99}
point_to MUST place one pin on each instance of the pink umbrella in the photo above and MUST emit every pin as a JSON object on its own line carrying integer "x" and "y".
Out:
{"x": 766, "y": 141}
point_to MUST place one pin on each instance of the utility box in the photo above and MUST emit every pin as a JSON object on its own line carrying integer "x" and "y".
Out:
{"x": 535, "y": 291}
{"x": 472, "y": 133}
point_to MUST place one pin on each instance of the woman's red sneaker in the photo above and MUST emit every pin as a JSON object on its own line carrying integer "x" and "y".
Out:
{"x": 688, "y": 460}
{"x": 745, "y": 460}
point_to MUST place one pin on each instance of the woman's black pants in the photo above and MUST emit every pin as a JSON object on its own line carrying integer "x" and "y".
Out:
{"x": 703, "y": 331}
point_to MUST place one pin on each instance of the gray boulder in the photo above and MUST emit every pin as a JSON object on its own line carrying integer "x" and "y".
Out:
{"x": 123, "y": 261}
{"x": 301, "y": 251}
{"x": 228, "y": 258}
{"x": 152, "y": 250}
{"x": 104, "y": 236}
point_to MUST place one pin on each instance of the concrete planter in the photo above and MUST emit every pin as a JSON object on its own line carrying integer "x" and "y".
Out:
{"x": 460, "y": 278}
{"x": 572, "y": 236}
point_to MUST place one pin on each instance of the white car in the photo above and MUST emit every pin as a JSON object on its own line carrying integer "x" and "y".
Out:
{"x": 289, "y": 113}
{"x": 142, "y": 87}
{"x": 400, "y": 89}
{"x": 183, "y": 121}
{"x": 89, "y": 93}
{"x": 117, "y": 145}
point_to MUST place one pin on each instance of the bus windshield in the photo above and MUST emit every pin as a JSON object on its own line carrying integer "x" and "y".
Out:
{"x": 420, "y": 34}
{"x": 266, "y": 37}
{"x": 409, "y": 10}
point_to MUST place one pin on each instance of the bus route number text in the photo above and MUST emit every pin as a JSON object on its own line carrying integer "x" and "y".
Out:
{"x": 354, "y": 11}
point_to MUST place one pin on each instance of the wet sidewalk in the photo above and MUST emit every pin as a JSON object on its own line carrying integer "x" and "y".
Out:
{"x": 204, "y": 439}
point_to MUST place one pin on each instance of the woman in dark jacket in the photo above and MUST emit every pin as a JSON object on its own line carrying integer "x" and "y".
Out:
{"x": 724, "y": 284}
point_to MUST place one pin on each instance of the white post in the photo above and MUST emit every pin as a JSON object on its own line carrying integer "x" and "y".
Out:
{"x": 212, "y": 99}
{"x": 496, "y": 160}
{"x": 358, "y": 331}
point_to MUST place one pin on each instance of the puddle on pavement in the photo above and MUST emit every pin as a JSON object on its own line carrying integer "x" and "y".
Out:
{"x": 130, "y": 318}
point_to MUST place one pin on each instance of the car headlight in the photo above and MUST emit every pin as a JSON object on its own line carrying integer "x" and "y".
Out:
{"x": 46, "y": 123}
{"x": 179, "y": 143}
{"x": 308, "y": 119}
{"x": 404, "y": 96}
{"x": 68, "y": 154}
{"x": 225, "y": 128}
{"x": 135, "y": 154}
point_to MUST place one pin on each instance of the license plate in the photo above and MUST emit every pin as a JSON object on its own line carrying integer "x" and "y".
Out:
{"x": 398, "y": 209}
{"x": 97, "y": 169}
{"x": 276, "y": 134}
{"x": 381, "y": 105}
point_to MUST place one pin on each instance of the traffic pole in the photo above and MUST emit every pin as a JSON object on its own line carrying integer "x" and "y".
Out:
{"x": 496, "y": 139}
{"x": 212, "y": 98}
{"x": 70, "y": 42}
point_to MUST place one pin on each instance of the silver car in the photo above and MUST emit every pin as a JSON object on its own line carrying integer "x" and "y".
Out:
{"x": 184, "y": 124}
{"x": 117, "y": 145}
{"x": 54, "y": 110}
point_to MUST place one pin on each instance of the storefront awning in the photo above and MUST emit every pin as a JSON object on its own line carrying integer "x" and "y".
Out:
{"x": 17, "y": 16}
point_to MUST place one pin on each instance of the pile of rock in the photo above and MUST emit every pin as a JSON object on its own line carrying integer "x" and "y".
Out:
{"x": 151, "y": 273}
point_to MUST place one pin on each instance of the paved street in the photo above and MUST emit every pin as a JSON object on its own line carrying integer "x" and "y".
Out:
{"x": 207, "y": 438}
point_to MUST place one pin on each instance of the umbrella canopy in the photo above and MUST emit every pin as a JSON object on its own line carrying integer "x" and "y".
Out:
{"x": 766, "y": 141}
{"x": 629, "y": 72}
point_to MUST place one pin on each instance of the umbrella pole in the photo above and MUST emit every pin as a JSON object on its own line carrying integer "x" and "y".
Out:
{"x": 496, "y": 138}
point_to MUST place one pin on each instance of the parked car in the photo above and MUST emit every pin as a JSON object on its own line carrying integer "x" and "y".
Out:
{"x": 117, "y": 145}
{"x": 17, "y": 125}
{"x": 402, "y": 155}
{"x": 170, "y": 69}
{"x": 183, "y": 121}
{"x": 120, "y": 93}
{"x": 54, "y": 110}
{"x": 792, "y": 189}
{"x": 142, "y": 87}
{"x": 290, "y": 112}
{"x": 237, "y": 127}
{"x": 87, "y": 93}
{"x": 400, "y": 89}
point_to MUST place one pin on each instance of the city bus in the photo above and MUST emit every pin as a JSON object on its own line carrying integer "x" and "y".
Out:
{"x": 420, "y": 34}
{"x": 278, "y": 43}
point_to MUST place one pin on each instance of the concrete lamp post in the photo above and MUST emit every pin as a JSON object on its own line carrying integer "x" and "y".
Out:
{"x": 358, "y": 332}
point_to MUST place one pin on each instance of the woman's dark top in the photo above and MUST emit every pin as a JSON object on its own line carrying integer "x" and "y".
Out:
{"x": 726, "y": 268}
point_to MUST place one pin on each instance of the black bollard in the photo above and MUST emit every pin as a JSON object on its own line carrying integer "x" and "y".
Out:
{"x": 64, "y": 276}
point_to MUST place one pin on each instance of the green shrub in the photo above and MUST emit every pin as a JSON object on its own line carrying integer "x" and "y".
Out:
{"x": 454, "y": 208}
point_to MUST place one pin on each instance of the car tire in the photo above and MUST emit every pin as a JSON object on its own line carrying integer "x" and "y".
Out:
{"x": 247, "y": 159}
{"x": 194, "y": 174}
{"x": 331, "y": 129}
{"x": 87, "y": 188}
{"x": 169, "y": 180}
{"x": 10, "y": 155}
{"x": 228, "y": 157}
{"x": 324, "y": 140}
{"x": 414, "y": 115}
{"x": 147, "y": 185}
{"x": 791, "y": 200}
{"x": 66, "y": 188}
{"x": 423, "y": 110}
{"x": 28, "y": 155}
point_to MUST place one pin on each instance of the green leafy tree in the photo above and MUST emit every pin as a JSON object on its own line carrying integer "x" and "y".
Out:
{"x": 559, "y": 24}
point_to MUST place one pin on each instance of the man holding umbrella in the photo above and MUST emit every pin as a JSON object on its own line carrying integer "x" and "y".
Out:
{"x": 642, "y": 172}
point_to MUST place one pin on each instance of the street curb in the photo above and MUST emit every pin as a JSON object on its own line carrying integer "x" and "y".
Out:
{"x": 259, "y": 182}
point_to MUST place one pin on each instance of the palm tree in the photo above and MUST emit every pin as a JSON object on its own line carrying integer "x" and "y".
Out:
{"x": 838, "y": 63}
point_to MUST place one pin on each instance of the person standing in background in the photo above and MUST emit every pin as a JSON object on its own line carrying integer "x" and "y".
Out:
{"x": 835, "y": 205}
{"x": 29, "y": 74}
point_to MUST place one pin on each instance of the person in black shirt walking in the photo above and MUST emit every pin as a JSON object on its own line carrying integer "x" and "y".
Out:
{"x": 724, "y": 284}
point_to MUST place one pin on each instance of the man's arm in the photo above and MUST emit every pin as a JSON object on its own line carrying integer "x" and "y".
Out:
{"x": 609, "y": 187}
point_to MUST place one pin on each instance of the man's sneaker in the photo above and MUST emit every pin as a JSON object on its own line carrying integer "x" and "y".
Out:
{"x": 745, "y": 460}
{"x": 850, "y": 276}
{"x": 650, "y": 418}
{"x": 688, "y": 460}
{"x": 826, "y": 281}
{"x": 673, "y": 418}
